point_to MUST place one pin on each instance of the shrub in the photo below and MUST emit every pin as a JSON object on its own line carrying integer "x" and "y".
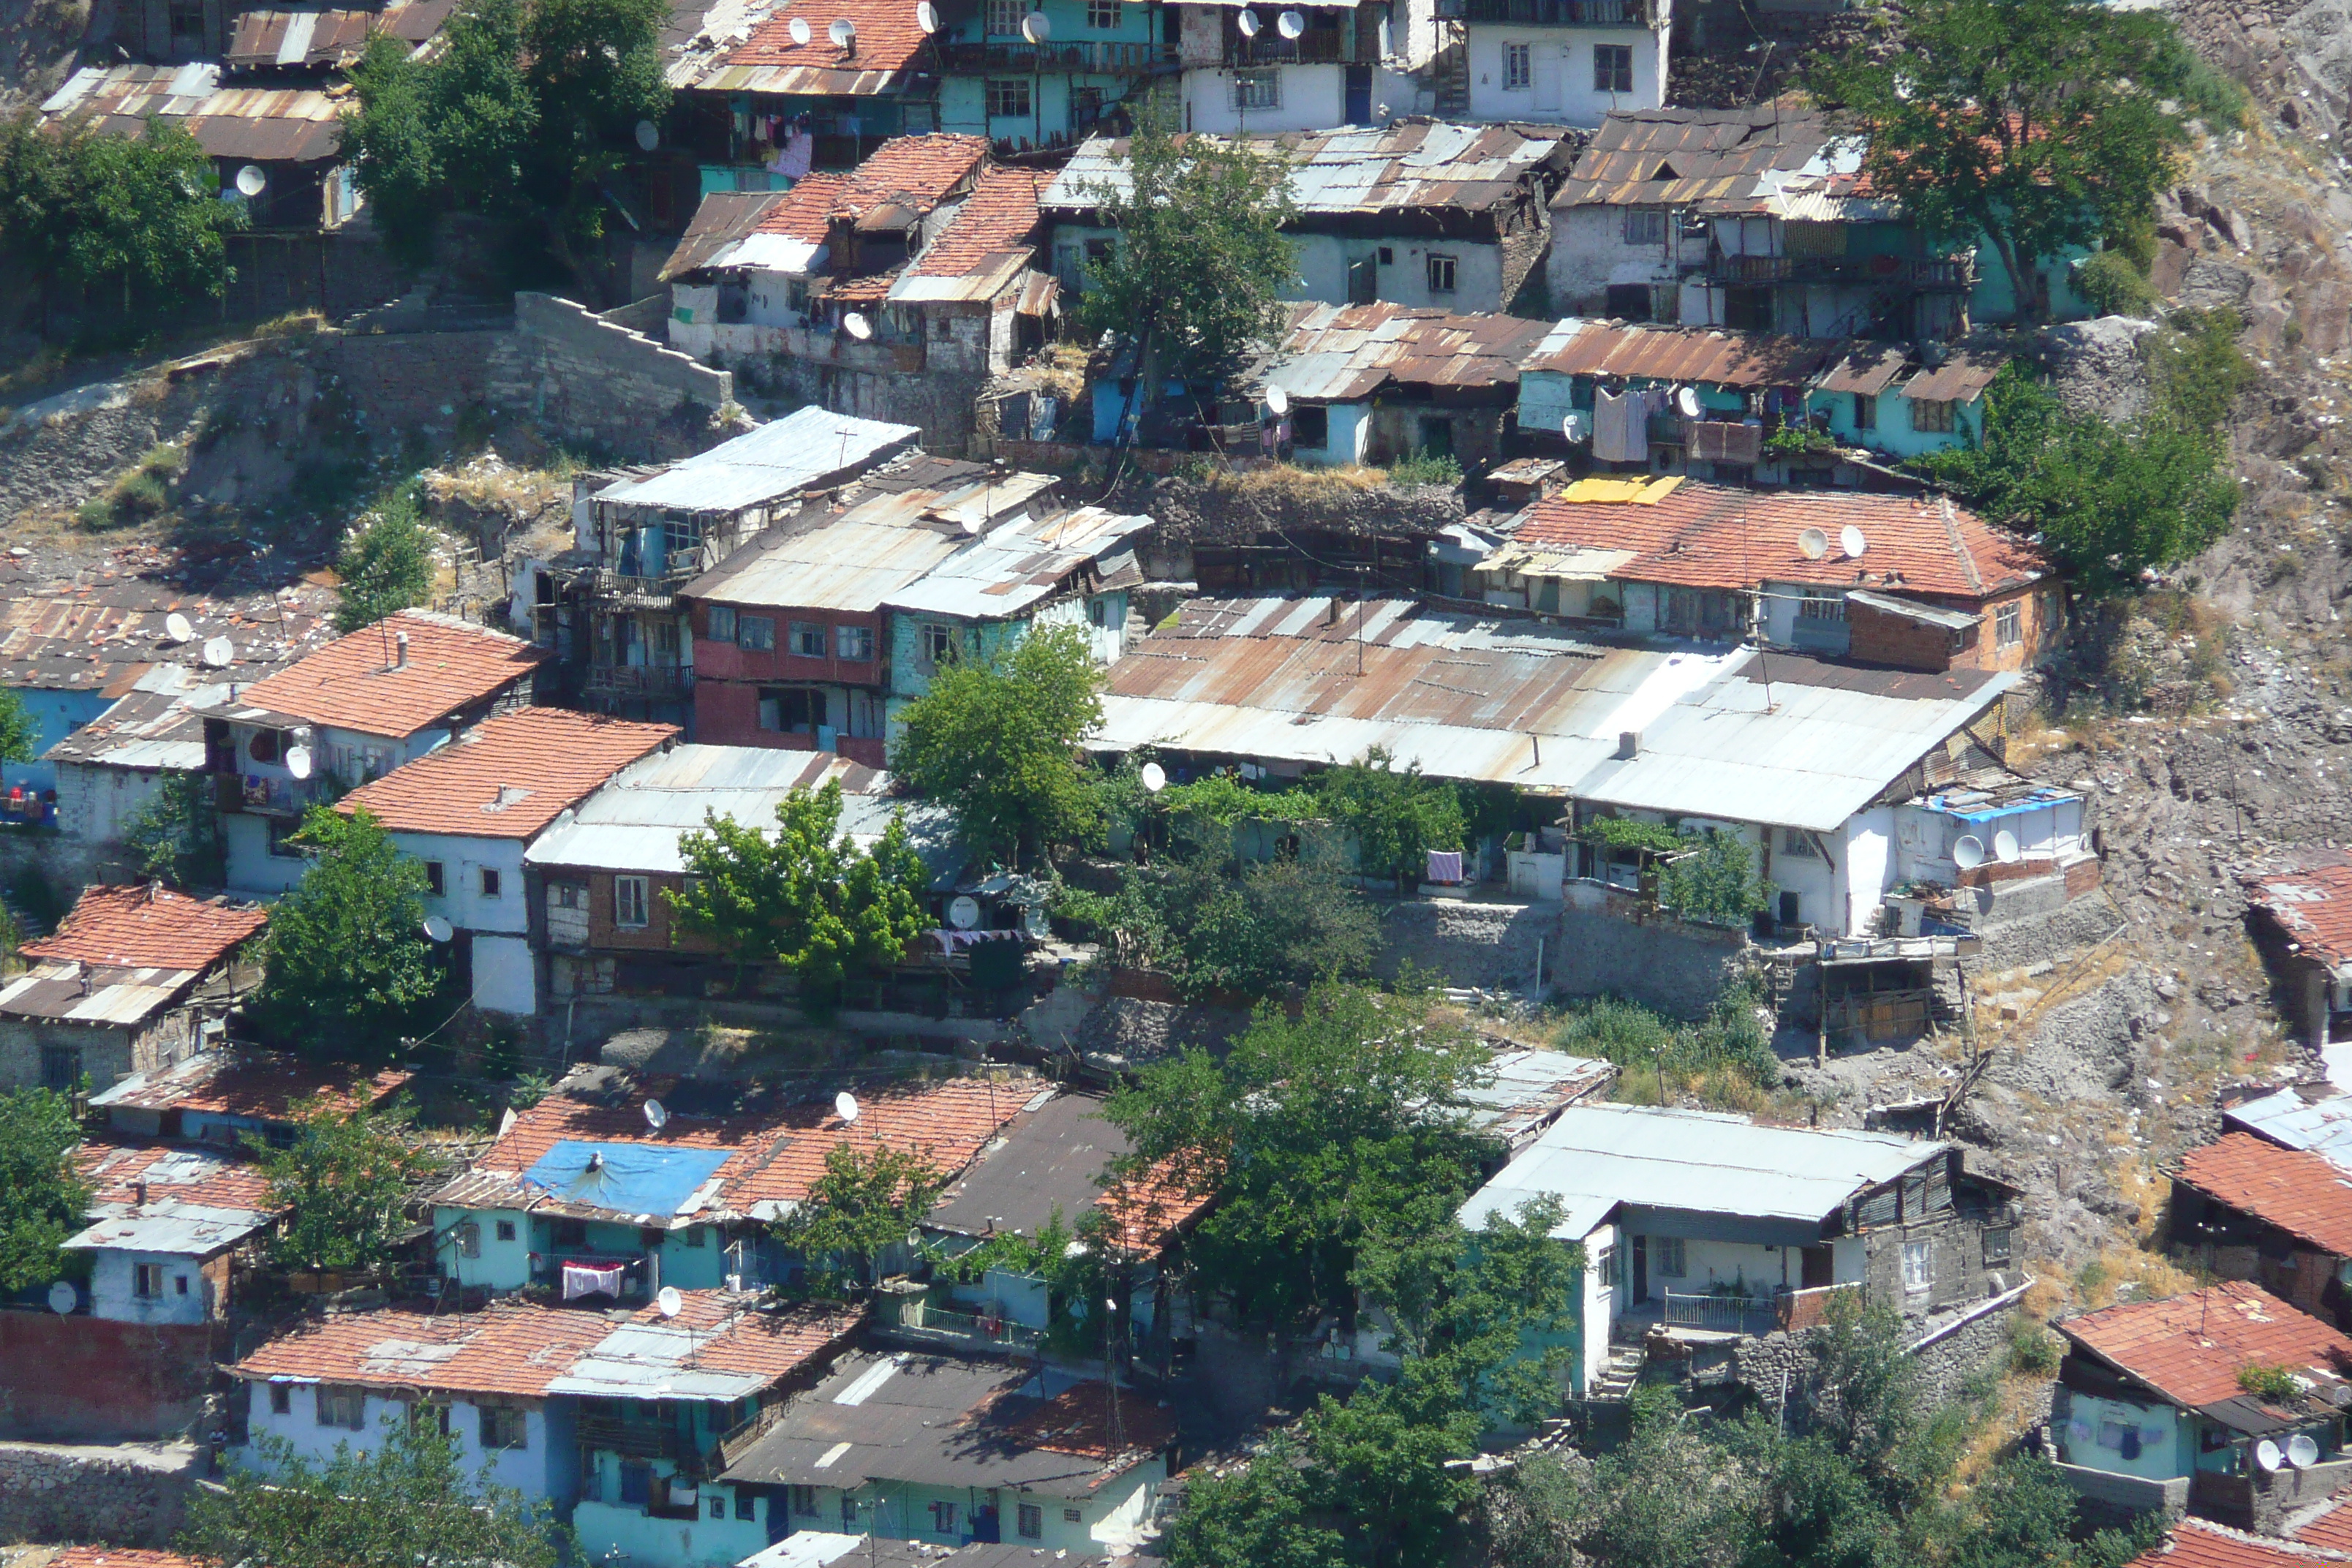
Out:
{"x": 1424, "y": 468}
{"x": 2114, "y": 286}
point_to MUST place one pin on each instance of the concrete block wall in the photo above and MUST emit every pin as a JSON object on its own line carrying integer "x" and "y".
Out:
{"x": 421, "y": 379}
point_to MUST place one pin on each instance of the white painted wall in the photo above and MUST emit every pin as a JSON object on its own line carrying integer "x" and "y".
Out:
{"x": 1313, "y": 98}
{"x": 1560, "y": 91}
{"x": 1868, "y": 866}
{"x": 503, "y": 972}
{"x": 113, "y": 1294}
{"x": 1589, "y": 251}
{"x": 95, "y": 801}
{"x": 1403, "y": 279}
{"x": 1598, "y": 1309}
{"x": 546, "y": 1467}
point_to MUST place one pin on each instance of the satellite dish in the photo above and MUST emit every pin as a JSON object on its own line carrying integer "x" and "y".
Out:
{"x": 656, "y": 1115}
{"x": 844, "y": 33}
{"x": 856, "y": 326}
{"x": 844, "y": 1105}
{"x": 218, "y": 651}
{"x": 2301, "y": 1451}
{"x": 1035, "y": 28}
{"x": 1154, "y": 777}
{"x": 669, "y": 1303}
{"x": 648, "y": 136}
{"x": 1572, "y": 426}
{"x": 251, "y": 181}
{"x": 1813, "y": 544}
{"x": 1969, "y": 853}
{"x": 1850, "y": 540}
{"x": 1277, "y": 401}
{"x": 2004, "y": 848}
{"x": 2266, "y": 1454}
{"x": 1686, "y": 399}
{"x": 298, "y": 761}
{"x": 176, "y": 627}
{"x": 1247, "y": 23}
{"x": 927, "y": 16}
{"x": 437, "y": 929}
{"x": 63, "y": 1298}
{"x": 1290, "y": 24}
{"x": 799, "y": 28}
{"x": 963, "y": 911}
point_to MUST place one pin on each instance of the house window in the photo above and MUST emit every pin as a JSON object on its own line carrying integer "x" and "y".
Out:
{"x": 1797, "y": 842}
{"x": 1086, "y": 109}
{"x": 755, "y": 634}
{"x": 147, "y": 1280}
{"x": 1310, "y": 424}
{"x": 469, "y": 1240}
{"x": 1666, "y": 1256}
{"x": 265, "y": 745}
{"x": 1821, "y": 607}
{"x": 722, "y": 623}
{"x": 1102, "y": 14}
{"x": 345, "y": 1407}
{"x": 1097, "y": 612}
{"x": 1004, "y": 16}
{"x": 802, "y": 1500}
{"x": 808, "y": 639}
{"x": 794, "y": 710}
{"x": 636, "y": 1484}
{"x": 1613, "y": 67}
{"x": 1257, "y": 89}
{"x": 1008, "y": 98}
{"x": 717, "y": 1505}
{"x": 505, "y": 1230}
{"x": 1646, "y": 225}
{"x": 282, "y": 842}
{"x": 1029, "y": 1520}
{"x": 2009, "y": 625}
{"x": 564, "y": 895}
{"x": 1441, "y": 271}
{"x": 435, "y": 879}
{"x": 502, "y": 1428}
{"x": 1604, "y": 1267}
{"x": 1437, "y": 436}
{"x": 179, "y": 1284}
{"x": 1865, "y": 411}
{"x": 1918, "y": 1266}
{"x": 1519, "y": 67}
{"x": 1996, "y": 1244}
{"x": 61, "y": 1068}
{"x": 1930, "y": 418}
{"x": 943, "y": 1518}
{"x": 747, "y": 1506}
{"x": 1074, "y": 1516}
{"x": 697, "y": 1236}
{"x": 281, "y": 1399}
{"x": 490, "y": 883}
{"x": 630, "y": 903}
{"x": 939, "y": 644}
{"x": 666, "y": 640}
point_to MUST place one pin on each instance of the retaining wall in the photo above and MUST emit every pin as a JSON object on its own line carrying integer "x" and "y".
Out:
{"x": 1609, "y": 945}
{"x": 82, "y": 1380}
{"x": 118, "y": 1497}
{"x": 593, "y": 379}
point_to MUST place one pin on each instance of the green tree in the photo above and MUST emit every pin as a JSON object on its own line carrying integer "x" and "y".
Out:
{"x": 176, "y": 833}
{"x": 386, "y": 565}
{"x": 1196, "y": 274}
{"x": 863, "y": 1204}
{"x": 2038, "y": 125}
{"x": 20, "y": 732}
{"x": 1394, "y": 814}
{"x": 343, "y": 1182}
{"x": 803, "y": 898}
{"x": 1273, "y": 925}
{"x": 42, "y": 1202}
{"x": 1716, "y": 876}
{"x": 347, "y": 969}
{"x": 404, "y": 1499}
{"x": 525, "y": 116}
{"x": 1000, "y": 742}
{"x": 1258, "y": 1515}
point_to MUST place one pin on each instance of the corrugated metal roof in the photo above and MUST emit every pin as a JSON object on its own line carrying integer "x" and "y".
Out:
{"x": 1682, "y": 157}
{"x": 180, "y": 1230}
{"x": 92, "y": 993}
{"x": 723, "y": 220}
{"x": 1525, "y": 1087}
{"x": 264, "y": 125}
{"x": 803, "y": 448}
{"x": 1961, "y": 378}
{"x": 2322, "y": 1126}
{"x": 1343, "y": 353}
{"x": 1008, "y": 572}
{"x": 314, "y": 36}
{"x": 1866, "y": 368}
{"x": 1709, "y": 354}
{"x": 1597, "y": 1157}
{"x": 111, "y": 634}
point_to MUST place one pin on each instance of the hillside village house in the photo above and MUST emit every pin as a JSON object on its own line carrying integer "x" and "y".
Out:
{"x": 349, "y": 713}
{"x": 2301, "y": 920}
{"x": 1349, "y": 64}
{"x": 222, "y": 1097}
{"x": 1884, "y": 398}
{"x": 2244, "y": 1208}
{"x": 1376, "y": 383}
{"x": 1713, "y": 1227}
{"x": 469, "y": 811}
{"x": 1560, "y": 62}
{"x": 1019, "y": 93}
{"x": 130, "y": 981}
{"x": 166, "y": 1224}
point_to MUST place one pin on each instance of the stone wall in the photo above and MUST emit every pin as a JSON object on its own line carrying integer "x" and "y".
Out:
{"x": 418, "y": 379}
{"x": 588, "y": 379}
{"x": 1492, "y": 946}
{"x": 1771, "y": 1362}
{"x": 1676, "y": 968}
{"x": 120, "y": 1497}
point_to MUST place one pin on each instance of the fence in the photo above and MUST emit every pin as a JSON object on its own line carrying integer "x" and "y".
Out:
{"x": 933, "y": 1325}
{"x": 1720, "y": 1314}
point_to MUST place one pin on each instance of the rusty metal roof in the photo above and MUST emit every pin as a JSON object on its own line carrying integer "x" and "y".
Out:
{"x": 1683, "y": 157}
{"x": 295, "y": 125}
{"x": 1712, "y": 354}
{"x": 724, "y": 217}
{"x": 106, "y": 634}
{"x": 313, "y": 35}
{"x": 1962, "y": 378}
{"x": 1343, "y": 353}
{"x": 1866, "y": 368}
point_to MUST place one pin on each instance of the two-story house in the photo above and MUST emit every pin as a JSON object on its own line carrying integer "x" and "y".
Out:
{"x": 1376, "y": 384}
{"x": 2244, "y": 1208}
{"x": 1257, "y": 69}
{"x": 1039, "y": 73}
{"x": 1553, "y": 62}
{"x": 469, "y": 811}
{"x": 349, "y": 713}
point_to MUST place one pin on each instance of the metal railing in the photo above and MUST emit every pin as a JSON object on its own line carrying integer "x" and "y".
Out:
{"x": 640, "y": 679}
{"x": 1308, "y": 49}
{"x": 1550, "y": 13}
{"x": 936, "y": 1324}
{"x": 1900, "y": 271}
{"x": 636, "y": 1439}
{"x": 1719, "y": 1314}
{"x": 1101, "y": 57}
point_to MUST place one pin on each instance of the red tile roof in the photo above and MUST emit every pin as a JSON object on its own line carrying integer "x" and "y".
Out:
{"x": 508, "y": 778}
{"x": 1147, "y": 1211}
{"x": 2194, "y": 1544}
{"x": 352, "y": 684}
{"x": 2190, "y": 1348}
{"x": 2313, "y": 908}
{"x": 509, "y": 1347}
{"x": 223, "y": 1179}
{"x": 149, "y": 927}
{"x": 118, "y": 1557}
{"x": 888, "y": 38}
{"x": 1711, "y": 536}
{"x": 806, "y": 212}
{"x": 262, "y": 1085}
{"x": 996, "y": 220}
{"x": 1077, "y": 1421}
{"x": 773, "y": 1345}
{"x": 2331, "y": 1527}
{"x": 917, "y": 172}
{"x": 2294, "y": 1189}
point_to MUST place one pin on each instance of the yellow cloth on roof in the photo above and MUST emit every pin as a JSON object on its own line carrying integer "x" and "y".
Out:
{"x": 1622, "y": 492}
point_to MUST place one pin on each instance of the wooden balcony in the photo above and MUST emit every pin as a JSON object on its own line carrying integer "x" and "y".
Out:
{"x": 1934, "y": 273}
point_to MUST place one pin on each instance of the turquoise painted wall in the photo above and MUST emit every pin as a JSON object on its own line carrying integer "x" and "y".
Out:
{"x": 58, "y": 714}
{"x": 963, "y": 94}
{"x": 1893, "y": 433}
{"x": 506, "y": 1265}
{"x": 1993, "y": 300}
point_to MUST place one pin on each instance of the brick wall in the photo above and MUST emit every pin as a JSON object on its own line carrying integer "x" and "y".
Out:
{"x": 82, "y": 1380}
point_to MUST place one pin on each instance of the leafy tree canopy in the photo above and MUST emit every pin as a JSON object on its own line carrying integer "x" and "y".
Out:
{"x": 344, "y": 1179}
{"x": 998, "y": 742}
{"x": 347, "y": 969}
{"x": 863, "y": 1204}
{"x": 133, "y": 218}
{"x": 176, "y": 833}
{"x": 386, "y": 565}
{"x": 20, "y": 732}
{"x": 41, "y": 1201}
{"x": 1277, "y": 924}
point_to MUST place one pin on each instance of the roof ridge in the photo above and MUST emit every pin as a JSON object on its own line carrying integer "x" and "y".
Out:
{"x": 1959, "y": 545}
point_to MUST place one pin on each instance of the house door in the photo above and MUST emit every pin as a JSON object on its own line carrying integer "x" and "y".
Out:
{"x": 1548, "y": 63}
{"x": 780, "y": 1516}
{"x": 1360, "y": 95}
{"x": 1364, "y": 280}
{"x": 1641, "y": 1268}
{"x": 1817, "y": 1269}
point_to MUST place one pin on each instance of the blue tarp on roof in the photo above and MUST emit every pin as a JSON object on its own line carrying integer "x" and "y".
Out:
{"x": 628, "y": 1178}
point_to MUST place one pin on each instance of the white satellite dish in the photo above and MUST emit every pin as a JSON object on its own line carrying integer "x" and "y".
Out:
{"x": 251, "y": 181}
{"x": 1035, "y": 27}
{"x": 1290, "y": 24}
{"x": 2301, "y": 1451}
{"x": 63, "y": 1298}
{"x": 799, "y": 28}
{"x": 1686, "y": 399}
{"x": 1969, "y": 853}
{"x": 963, "y": 911}
{"x": 669, "y": 1303}
{"x": 656, "y": 1115}
{"x": 218, "y": 651}
{"x": 1154, "y": 777}
{"x": 1572, "y": 426}
{"x": 298, "y": 761}
{"x": 856, "y": 326}
{"x": 844, "y": 33}
{"x": 1277, "y": 401}
{"x": 1850, "y": 540}
{"x": 844, "y": 1105}
{"x": 2266, "y": 1454}
{"x": 1813, "y": 544}
{"x": 176, "y": 627}
{"x": 2004, "y": 848}
{"x": 1247, "y": 23}
{"x": 648, "y": 136}
{"x": 927, "y": 16}
{"x": 437, "y": 929}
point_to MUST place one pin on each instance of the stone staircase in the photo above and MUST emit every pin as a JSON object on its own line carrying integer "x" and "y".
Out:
{"x": 1624, "y": 1369}
{"x": 27, "y": 926}
{"x": 1449, "y": 70}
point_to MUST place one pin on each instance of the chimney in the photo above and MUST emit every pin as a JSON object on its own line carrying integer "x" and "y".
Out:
{"x": 154, "y": 891}
{"x": 400, "y": 655}
{"x": 139, "y": 1194}
{"x": 1629, "y": 744}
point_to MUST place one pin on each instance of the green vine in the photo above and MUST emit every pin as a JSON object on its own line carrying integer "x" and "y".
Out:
{"x": 1796, "y": 440}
